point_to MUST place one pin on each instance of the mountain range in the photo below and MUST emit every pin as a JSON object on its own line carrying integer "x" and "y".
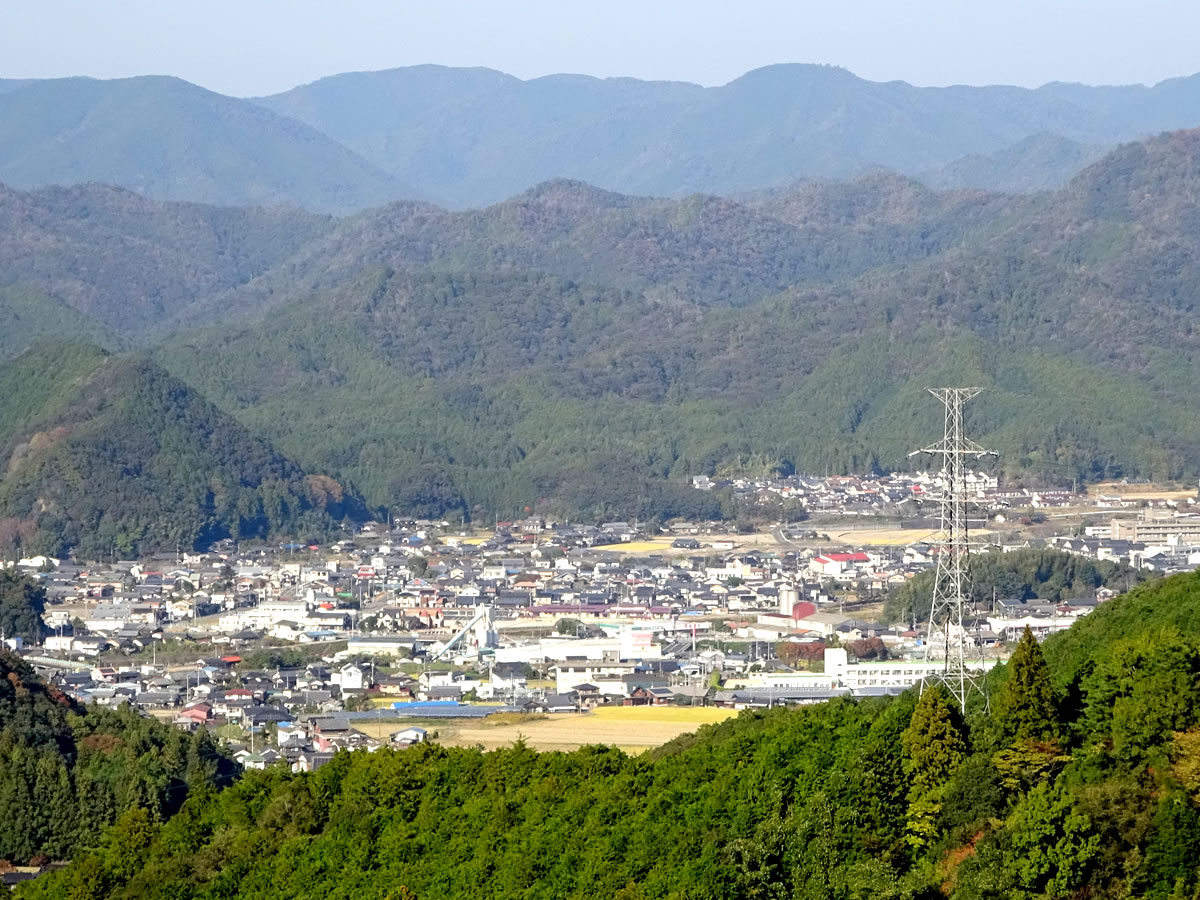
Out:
{"x": 584, "y": 352}
{"x": 471, "y": 137}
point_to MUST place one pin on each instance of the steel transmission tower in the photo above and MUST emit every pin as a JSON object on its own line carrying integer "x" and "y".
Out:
{"x": 952, "y": 586}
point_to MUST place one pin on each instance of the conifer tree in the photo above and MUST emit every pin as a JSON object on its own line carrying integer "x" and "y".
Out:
{"x": 934, "y": 746}
{"x": 934, "y": 743}
{"x": 1025, "y": 709}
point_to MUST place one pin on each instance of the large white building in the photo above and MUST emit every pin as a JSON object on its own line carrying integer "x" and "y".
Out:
{"x": 888, "y": 673}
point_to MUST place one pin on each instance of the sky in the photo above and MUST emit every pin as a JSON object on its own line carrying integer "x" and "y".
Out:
{"x": 253, "y": 47}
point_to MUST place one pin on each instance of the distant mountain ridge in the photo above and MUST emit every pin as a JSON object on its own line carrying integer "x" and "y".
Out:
{"x": 470, "y": 137}
{"x": 474, "y": 135}
{"x": 173, "y": 140}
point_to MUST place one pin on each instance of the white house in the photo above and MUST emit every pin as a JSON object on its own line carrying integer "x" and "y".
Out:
{"x": 350, "y": 678}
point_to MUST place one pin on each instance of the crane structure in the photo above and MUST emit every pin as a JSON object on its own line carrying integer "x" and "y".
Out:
{"x": 952, "y": 581}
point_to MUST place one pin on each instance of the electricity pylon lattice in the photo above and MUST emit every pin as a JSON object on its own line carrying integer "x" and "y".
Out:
{"x": 952, "y": 585}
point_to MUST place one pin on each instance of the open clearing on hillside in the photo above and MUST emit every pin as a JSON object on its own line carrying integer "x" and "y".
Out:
{"x": 632, "y": 728}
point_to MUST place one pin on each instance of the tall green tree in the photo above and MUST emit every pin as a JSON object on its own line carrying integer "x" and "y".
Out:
{"x": 22, "y": 602}
{"x": 934, "y": 746}
{"x": 1024, "y": 708}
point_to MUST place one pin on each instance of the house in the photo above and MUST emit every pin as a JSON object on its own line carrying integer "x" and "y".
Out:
{"x": 351, "y": 678}
{"x": 408, "y": 736}
{"x": 194, "y": 716}
{"x": 508, "y": 677}
{"x": 832, "y": 565}
{"x": 311, "y": 760}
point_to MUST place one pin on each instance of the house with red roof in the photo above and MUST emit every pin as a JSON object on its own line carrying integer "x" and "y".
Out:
{"x": 831, "y": 565}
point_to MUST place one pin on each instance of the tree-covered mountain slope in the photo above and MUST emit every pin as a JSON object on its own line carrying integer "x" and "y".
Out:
{"x": 109, "y": 454}
{"x": 175, "y": 141}
{"x": 576, "y": 347}
{"x": 1039, "y": 162}
{"x": 126, "y": 261}
{"x": 474, "y": 136}
{"x": 587, "y": 351}
{"x": 66, "y": 772}
{"x": 1079, "y": 779}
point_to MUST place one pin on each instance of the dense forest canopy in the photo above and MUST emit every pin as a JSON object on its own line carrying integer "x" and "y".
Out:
{"x": 67, "y": 772}
{"x": 1029, "y": 574}
{"x": 1079, "y": 779}
{"x": 584, "y": 353}
{"x": 111, "y": 455}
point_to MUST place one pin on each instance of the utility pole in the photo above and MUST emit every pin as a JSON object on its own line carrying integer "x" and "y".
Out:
{"x": 952, "y": 585}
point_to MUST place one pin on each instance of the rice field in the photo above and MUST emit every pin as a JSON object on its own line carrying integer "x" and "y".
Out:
{"x": 633, "y": 729}
{"x": 655, "y": 546}
{"x": 1141, "y": 492}
{"x": 892, "y": 537}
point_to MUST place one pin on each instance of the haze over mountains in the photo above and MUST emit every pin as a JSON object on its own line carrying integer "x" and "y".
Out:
{"x": 470, "y": 137}
{"x": 586, "y": 351}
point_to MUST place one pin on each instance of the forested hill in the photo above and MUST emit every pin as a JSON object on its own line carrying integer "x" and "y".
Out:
{"x": 576, "y": 347}
{"x": 111, "y": 455}
{"x": 1080, "y": 779}
{"x": 585, "y": 351}
{"x": 125, "y": 261}
{"x": 67, "y": 773}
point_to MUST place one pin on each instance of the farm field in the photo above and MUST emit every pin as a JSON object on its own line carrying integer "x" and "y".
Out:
{"x": 631, "y": 728}
{"x": 893, "y": 537}
{"x": 663, "y": 546}
{"x": 1141, "y": 491}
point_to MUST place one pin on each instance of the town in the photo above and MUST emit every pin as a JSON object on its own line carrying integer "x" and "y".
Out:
{"x": 292, "y": 652}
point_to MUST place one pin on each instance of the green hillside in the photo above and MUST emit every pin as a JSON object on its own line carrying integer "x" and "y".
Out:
{"x": 126, "y": 261}
{"x": 67, "y": 772}
{"x": 108, "y": 455}
{"x": 585, "y": 352}
{"x": 589, "y": 352}
{"x": 175, "y": 141}
{"x": 1079, "y": 780}
{"x": 31, "y": 317}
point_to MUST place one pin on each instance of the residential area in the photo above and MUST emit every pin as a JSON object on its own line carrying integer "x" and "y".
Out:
{"x": 393, "y": 633}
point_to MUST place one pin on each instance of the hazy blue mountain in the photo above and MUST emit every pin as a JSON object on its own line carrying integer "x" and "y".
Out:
{"x": 474, "y": 136}
{"x": 12, "y": 84}
{"x": 1040, "y": 162}
{"x": 170, "y": 139}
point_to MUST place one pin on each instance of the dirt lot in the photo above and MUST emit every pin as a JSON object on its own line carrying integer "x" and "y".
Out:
{"x": 633, "y": 729}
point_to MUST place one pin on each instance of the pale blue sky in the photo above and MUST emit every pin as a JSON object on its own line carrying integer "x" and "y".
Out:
{"x": 249, "y": 47}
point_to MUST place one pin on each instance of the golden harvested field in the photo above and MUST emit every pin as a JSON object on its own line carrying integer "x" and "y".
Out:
{"x": 632, "y": 728}
{"x": 892, "y": 537}
{"x": 654, "y": 546}
{"x": 1141, "y": 491}
{"x": 663, "y": 544}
